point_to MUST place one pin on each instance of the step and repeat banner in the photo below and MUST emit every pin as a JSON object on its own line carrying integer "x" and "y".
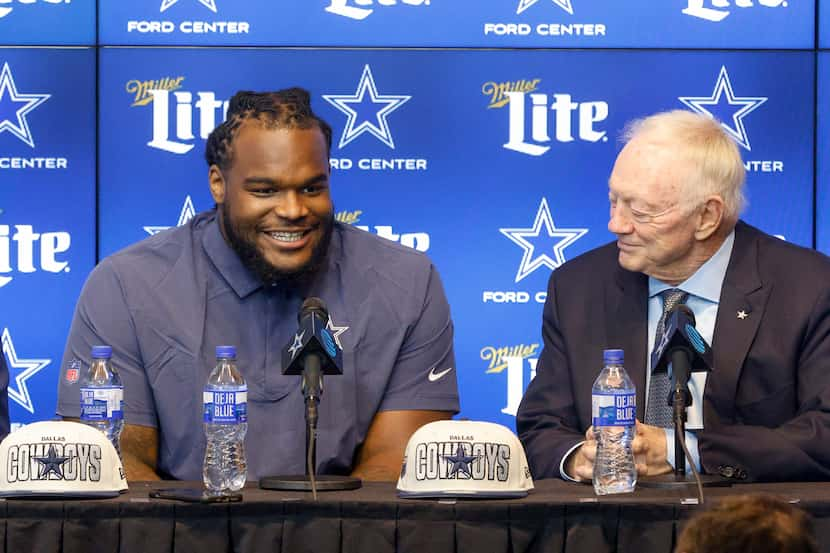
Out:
{"x": 462, "y": 23}
{"x": 47, "y": 213}
{"x": 103, "y": 146}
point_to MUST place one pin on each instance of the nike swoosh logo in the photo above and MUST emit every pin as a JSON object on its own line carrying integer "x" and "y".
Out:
{"x": 433, "y": 376}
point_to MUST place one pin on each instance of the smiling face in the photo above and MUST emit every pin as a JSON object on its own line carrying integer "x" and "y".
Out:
{"x": 655, "y": 228}
{"x": 275, "y": 208}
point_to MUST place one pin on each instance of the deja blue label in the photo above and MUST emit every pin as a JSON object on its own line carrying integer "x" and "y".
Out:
{"x": 610, "y": 409}
{"x": 98, "y": 404}
{"x": 225, "y": 407}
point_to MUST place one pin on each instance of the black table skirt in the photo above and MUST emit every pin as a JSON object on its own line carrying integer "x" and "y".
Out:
{"x": 556, "y": 516}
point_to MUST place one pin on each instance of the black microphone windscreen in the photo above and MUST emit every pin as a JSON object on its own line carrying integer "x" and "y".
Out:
{"x": 686, "y": 311}
{"x": 312, "y": 305}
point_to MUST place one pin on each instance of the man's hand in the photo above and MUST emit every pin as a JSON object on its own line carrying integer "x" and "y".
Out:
{"x": 580, "y": 463}
{"x": 650, "y": 450}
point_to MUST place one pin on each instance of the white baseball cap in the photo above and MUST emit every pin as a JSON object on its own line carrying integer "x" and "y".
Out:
{"x": 464, "y": 459}
{"x": 59, "y": 459}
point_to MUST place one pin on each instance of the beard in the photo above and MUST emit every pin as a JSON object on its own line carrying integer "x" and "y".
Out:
{"x": 255, "y": 262}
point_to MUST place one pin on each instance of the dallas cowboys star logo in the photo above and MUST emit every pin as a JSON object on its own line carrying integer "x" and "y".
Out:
{"x": 15, "y": 106}
{"x": 209, "y": 4}
{"x": 53, "y": 463}
{"x": 29, "y": 367}
{"x": 336, "y": 331}
{"x": 186, "y": 214}
{"x": 724, "y": 106}
{"x": 460, "y": 462}
{"x": 531, "y": 260}
{"x": 564, "y": 4}
{"x": 373, "y": 120}
{"x": 297, "y": 345}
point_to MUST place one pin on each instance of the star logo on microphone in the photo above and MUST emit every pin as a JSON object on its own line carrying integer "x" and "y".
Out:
{"x": 209, "y": 4}
{"x": 186, "y": 214}
{"x": 460, "y": 462}
{"x": 658, "y": 349}
{"x": 726, "y": 107}
{"x": 367, "y": 110}
{"x": 15, "y": 107}
{"x": 564, "y": 4}
{"x": 543, "y": 243}
{"x": 18, "y": 383}
{"x": 51, "y": 464}
{"x": 297, "y": 345}
{"x": 336, "y": 331}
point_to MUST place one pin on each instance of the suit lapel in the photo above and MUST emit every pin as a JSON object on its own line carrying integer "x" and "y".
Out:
{"x": 627, "y": 326}
{"x": 741, "y": 308}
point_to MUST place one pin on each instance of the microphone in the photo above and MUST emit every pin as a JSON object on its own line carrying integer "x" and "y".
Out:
{"x": 682, "y": 346}
{"x": 311, "y": 353}
{"x": 312, "y": 344}
{"x": 681, "y": 336}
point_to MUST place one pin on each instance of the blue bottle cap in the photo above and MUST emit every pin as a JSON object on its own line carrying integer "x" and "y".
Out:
{"x": 226, "y": 352}
{"x": 613, "y": 356}
{"x": 101, "y": 352}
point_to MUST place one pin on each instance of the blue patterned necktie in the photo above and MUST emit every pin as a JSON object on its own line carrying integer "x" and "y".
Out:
{"x": 658, "y": 411}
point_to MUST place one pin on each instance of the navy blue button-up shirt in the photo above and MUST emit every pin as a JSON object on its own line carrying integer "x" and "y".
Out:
{"x": 165, "y": 303}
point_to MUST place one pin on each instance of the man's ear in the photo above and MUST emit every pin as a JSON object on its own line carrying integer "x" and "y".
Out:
{"x": 216, "y": 180}
{"x": 709, "y": 218}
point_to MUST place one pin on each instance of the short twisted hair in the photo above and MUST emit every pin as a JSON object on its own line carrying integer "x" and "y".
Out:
{"x": 289, "y": 108}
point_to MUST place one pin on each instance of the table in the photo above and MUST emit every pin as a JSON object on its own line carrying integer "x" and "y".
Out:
{"x": 556, "y": 516}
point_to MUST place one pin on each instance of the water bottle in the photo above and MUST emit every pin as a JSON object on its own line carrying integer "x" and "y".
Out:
{"x": 102, "y": 396}
{"x": 226, "y": 421}
{"x": 613, "y": 409}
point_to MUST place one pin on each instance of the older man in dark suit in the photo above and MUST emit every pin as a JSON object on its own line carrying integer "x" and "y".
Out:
{"x": 763, "y": 413}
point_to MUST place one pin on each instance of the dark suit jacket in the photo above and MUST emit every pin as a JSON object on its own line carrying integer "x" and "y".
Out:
{"x": 4, "y": 396}
{"x": 766, "y": 404}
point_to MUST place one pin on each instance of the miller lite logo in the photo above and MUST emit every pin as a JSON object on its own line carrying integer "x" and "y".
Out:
{"x": 179, "y": 135}
{"x": 141, "y": 90}
{"x": 519, "y": 362}
{"x": 718, "y": 10}
{"x": 533, "y": 129}
{"x": 363, "y": 8}
{"x": 18, "y": 247}
{"x": 4, "y": 11}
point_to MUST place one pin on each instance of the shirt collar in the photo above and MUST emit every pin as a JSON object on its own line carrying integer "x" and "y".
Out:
{"x": 226, "y": 261}
{"x": 707, "y": 281}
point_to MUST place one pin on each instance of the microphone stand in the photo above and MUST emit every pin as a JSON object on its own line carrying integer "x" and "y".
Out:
{"x": 680, "y": 400}
{"x": 312, "y": 392}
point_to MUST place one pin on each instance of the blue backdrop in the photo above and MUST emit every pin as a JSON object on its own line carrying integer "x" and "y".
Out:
{"x": 491, "y": 158}
{"x": 467, "y": 23}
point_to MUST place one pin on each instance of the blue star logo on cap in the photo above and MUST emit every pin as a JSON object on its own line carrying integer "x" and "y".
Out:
{"x": 725, "y": 106}
{"x": 460, "y": 462}
{"x": 367, "y": 110}
{"x": 30, "y": 367}
{"x": 52, "y": 463}
{"x": 542, "y": 248}
{"x": 209, "y": 4}
{"x": 14, "y": 107}
{"x": 564, "y": 4}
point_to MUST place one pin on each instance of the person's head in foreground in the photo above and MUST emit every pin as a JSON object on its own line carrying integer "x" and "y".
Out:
{"x": 749, "y": 524}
